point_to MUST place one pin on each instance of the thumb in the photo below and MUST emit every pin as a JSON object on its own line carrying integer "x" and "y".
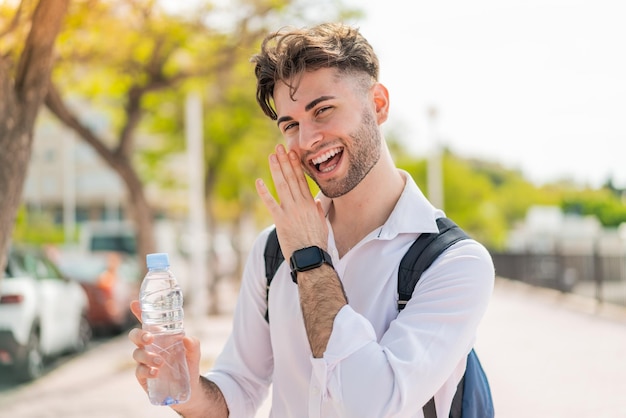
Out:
{"x": 192, "y": 355}
{"x": 320, "y": 208}
{"x": 135, "y": 308}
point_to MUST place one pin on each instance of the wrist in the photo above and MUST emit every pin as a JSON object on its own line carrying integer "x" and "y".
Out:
{"x": 208, "y": 402}
{"x": 308, "y": 258}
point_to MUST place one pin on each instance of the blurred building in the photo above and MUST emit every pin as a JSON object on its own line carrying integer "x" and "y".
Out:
{"x": 64, "y": 171}
{"x": 547, "y": 229}
{"x": 70, "y": 181}
{"x": 568, "y": 252}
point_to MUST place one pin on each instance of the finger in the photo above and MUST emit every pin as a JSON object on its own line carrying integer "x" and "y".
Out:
{"x": 148, "y": 365}
{"x": 143, "y": 373}
{"x": 291, "y": 170}
{"x": 278, "y": 169}
{"x": 140, "y": 337}
{"x": 320, "y": 210}
{"x": 143, "y": 356}
{"x": 267, "y": 198}
{"x": 135, "y": 308}
{"x": 293, "y": 176}
{"x": 303, "y": 185}
{"x": 192, "y": 355}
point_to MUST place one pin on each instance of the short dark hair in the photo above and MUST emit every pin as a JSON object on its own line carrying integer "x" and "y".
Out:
{"x": 290, "y": 52}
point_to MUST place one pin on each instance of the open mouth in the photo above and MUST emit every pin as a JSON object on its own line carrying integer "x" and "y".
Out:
{"x": 327, "y": 161}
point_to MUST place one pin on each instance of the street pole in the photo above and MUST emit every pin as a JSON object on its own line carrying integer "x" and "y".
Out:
{"x": 69, "y": 187}
{"x": 198, "y": 271}
{"x": 434, "y": 165}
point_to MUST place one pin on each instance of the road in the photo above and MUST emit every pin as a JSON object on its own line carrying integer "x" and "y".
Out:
{"x": 546, "y": 354}
{"x": 553, "y": 355}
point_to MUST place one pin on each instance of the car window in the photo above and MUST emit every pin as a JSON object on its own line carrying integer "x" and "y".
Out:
{"x": 39, "y": 268}
{"x": 129, "y": 272}
{"x": 123, "y": 243}
{"x": 50, "y": 269}
{"x": 29, "y": 262}
{"x": 85, "y": 269}
{"x": 14, "y": 267}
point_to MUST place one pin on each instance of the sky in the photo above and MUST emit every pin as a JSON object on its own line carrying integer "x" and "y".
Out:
{"x": 536, "y": 85}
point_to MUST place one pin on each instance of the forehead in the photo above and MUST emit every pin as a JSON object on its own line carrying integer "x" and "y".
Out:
{"x": 311, "y": 85}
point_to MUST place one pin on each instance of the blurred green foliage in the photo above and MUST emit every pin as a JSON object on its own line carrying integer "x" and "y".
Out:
{"x": 605, "y": 204}
{"x": 107, "y": 49}
{"x": 38, "y": 228}
{"x": 487, "y": 199}
{"x": 104, "y": 52}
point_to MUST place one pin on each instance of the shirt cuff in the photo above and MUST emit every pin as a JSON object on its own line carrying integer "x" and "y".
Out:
{"x": 351, "y": 332}
{"x": 237, "y": 406}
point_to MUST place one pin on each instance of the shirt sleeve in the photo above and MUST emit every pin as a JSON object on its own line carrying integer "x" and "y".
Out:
{"x": 361, "y": 376}
{"x": 244, "y": 375}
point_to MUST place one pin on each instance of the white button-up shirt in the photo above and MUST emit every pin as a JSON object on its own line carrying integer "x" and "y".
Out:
{"x": 378, "y": 363}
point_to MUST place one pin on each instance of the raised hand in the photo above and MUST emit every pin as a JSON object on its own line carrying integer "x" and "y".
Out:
{"x": 299, "y": 219}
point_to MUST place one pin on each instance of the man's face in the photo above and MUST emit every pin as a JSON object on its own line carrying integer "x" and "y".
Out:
{"x": 331, "y": 124}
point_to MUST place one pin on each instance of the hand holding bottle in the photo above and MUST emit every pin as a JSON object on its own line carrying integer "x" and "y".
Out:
{"x": 148, "y": 363}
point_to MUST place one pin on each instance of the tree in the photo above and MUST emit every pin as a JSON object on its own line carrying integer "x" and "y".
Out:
{"x": 115, "y": 54}
{"x": 483, "y": 197}
{"x": 127, "y": 58}
{"x": 602, "y": 203}
{"x": 238, "y": 137}
{"x": 24, "y": 75}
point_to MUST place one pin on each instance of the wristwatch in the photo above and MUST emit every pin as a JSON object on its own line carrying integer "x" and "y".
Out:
{"x": 308, "y": 258}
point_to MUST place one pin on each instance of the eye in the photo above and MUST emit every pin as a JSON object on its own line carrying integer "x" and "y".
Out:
{"x": 288, "y": 126}
{"x": 323, "y": 110}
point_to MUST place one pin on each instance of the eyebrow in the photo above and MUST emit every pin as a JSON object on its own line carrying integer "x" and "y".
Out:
{"x": 308, "y": 107}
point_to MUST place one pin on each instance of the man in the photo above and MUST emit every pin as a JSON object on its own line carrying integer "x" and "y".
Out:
{"x": 335, "y": 345}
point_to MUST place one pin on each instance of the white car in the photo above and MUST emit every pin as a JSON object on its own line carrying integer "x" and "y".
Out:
{"x": 42, "y": 314}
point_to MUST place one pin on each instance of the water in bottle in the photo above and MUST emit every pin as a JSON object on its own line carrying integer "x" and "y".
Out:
{"x": 162, "y": 314}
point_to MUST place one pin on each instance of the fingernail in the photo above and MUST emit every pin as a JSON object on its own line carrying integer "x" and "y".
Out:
{"x": 158, "y": 360}
{"x": 280, "y": 149}
{"x": 145, "y": 338}
{"x": 153, "y": 372}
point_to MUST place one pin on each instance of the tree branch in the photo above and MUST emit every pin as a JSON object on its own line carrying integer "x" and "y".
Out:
{"x": 15, "y": 21}
{"x": 57, "y": 106}
{"x": 33, "y": 69}
{"x": 156, "y": 81}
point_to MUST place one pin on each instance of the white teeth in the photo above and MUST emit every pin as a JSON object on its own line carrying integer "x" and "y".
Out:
{"x": 326, "y": 156}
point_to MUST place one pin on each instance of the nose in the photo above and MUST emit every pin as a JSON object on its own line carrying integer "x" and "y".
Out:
{"x": 309, "y": 135}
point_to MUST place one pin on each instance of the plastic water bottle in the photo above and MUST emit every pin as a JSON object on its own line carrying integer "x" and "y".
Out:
{"x": 162, "y": 314}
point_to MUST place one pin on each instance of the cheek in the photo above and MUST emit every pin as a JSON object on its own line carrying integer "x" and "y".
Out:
{"x": 291, "y": 143}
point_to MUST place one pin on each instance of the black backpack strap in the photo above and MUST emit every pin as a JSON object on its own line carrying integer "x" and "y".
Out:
{"x": 273, "y": 257}
{"x": 422, "y": 253}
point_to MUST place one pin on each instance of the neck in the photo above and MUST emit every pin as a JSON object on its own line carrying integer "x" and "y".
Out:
{"x": 368, "y": 205}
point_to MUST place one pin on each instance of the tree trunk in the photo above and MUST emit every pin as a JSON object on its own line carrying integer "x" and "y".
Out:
{"x": 118, "y": 160}
{"x": 15, "y": 142}
{"x": 21, "y": 95}
{"x": 141, "y": 210}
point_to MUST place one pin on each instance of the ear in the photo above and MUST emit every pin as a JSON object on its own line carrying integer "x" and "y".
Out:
{"x": 381, "y": 101}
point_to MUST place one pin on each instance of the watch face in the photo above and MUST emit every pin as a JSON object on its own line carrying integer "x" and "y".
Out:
{"x": 307, "y": 258}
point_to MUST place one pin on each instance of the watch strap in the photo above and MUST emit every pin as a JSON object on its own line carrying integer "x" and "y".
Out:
{"x": 325, "y": 259}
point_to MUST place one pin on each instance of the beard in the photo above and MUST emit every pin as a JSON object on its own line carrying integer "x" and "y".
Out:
{"x": 362, "y": 156}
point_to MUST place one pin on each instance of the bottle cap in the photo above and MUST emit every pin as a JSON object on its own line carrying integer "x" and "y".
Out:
{"x": 157, "y": 261}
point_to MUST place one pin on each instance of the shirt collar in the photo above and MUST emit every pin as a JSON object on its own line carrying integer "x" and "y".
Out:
{"x": 413, "y": 213}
